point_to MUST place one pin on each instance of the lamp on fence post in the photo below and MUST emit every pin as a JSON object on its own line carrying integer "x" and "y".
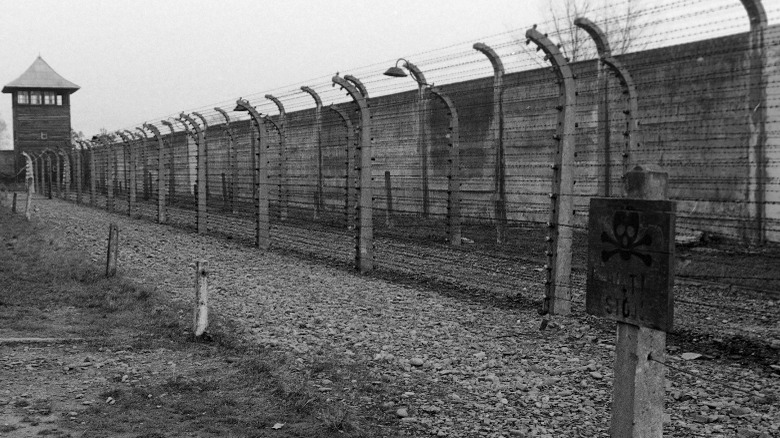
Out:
{"x": 453, "y": 189}
{"x": 422, "y": 147}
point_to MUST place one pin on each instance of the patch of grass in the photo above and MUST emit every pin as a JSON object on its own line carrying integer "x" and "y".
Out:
{"x": 336, "y": 419}
{"x": 243, "y": 392}
{"x": 181, "y": 384}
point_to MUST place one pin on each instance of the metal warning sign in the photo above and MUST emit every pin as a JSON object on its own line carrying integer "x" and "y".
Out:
{"x": 631, "y": 261}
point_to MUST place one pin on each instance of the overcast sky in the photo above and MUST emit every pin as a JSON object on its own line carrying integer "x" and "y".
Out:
{"x": 135, "y": 60}
{"x": 140, "y": 60}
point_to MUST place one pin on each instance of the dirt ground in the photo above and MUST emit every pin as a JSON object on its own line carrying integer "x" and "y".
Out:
{"x": 376, "y": 357}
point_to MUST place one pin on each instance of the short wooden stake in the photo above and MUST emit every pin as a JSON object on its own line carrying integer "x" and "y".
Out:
{"x": 389, "y": 194}
{"x": 201, "y": 313}
{"x": 113, "y": 250}
{"x": 13, "y": 204}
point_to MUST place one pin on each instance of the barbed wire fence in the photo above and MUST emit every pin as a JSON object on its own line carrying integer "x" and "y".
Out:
{"x": 467, "y": 179}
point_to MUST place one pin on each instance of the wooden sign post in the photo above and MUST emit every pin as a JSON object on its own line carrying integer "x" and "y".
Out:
{"x": 630, "y": 280}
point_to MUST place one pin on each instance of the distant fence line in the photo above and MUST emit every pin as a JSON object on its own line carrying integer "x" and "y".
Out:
{"x": 519, "y": 150}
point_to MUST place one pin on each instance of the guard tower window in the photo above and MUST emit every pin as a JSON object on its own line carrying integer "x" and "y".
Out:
{"x": 35, "y": 97}
{"x": 23, "y": 97}
{"x": 59, "y": 99}
{"x": 49, "y": 98}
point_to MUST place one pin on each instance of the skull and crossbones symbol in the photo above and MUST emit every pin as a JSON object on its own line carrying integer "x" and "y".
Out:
{"x": 626, "y": 240}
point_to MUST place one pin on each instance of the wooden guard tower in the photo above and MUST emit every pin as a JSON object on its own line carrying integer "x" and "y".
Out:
{"x": 41, "y": 109}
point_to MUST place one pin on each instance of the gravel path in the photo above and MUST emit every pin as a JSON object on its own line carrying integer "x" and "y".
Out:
{"x": 454, "y": 367}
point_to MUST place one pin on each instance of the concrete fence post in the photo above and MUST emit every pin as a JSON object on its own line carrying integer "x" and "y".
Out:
{"x": 130, "y": 168}
{"x": 631, "y": 133}
{"x": 389, "y": 201}
{"x": 560, "y": 223}
{"x": 318, "y": 196}
{"x": 262, "y": 222}
{"x": 349, "y": 148}
{"x": 49, "y": 172}
{"x": 39, "y": 173}
{"x": 453, "y": 177}
{"x": 160, "y": 172}
{"x": 200, "y": 181}
{"x": 756, "y": 105}
{"x": 232, "y": 164}
{"x": 79, "y": 171}
{"x": 280, "y": 181}
{"x": 143, "y": 155}
{"x": 92, "y": 173}
{"x": 110, "y": 171}
{"x": 57, "y": 172}
{"x": 205, "y": 160}
{"x": 364, "y": 254}
{"x": 497, "y": 133}
{"x": 171, "y": 163}
{"x": 284, "y": 183}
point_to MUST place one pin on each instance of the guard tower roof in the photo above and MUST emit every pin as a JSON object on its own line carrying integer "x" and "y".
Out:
{"x": 41, "y": 75}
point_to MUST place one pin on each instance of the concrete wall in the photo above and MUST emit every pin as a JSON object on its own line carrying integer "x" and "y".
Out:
{"x": 695, "y": 122}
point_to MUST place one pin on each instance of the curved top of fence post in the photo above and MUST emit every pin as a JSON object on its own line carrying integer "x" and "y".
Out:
{"x": 142, "y": 131}
{"x": 756, "y": 13}
{"x": 271, "y": 121}
{"x": 152, "y": 128}
{"x": 356, "y": 95}
{"x": 417, "y": 74}
{"x": 202, "y": 119}
{"x": 447, "y": 101}
{"x": 605, "y": 54}
{"x": 278, "y": 104}
{"x": 314, "y": 95}
{"x": 553, "y": 54}
{"x": 106, "y": 140}
{"x": 224, "y": 114}
{"x": 359, "y": 85}
{"x": 184, "y": 119}
{"x": 598, "y": 36}
{"x": 226, "y": 125}
{"x": 340, "y": 112}
{"x": 498, "y": 66}
{"x": 170, "y": 127}
{"x": 244, "y": 105}
{"x": 123, "y": 135}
